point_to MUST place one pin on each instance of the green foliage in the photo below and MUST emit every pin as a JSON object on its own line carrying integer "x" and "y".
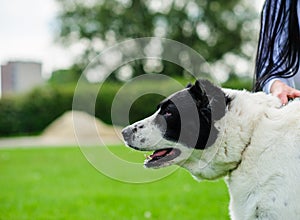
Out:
{"x": 240, "y": 83}
{"x": 32, "y": 112}
{"x": 59, "y": 183}
{"x": 46, "y": 104}
{"x": 147, "y": 104}
{"x": 66, "y": 76}
{"x": 9, "y": 112}
{"x": 63, "y": 76}
{"x": 212, "y": 28}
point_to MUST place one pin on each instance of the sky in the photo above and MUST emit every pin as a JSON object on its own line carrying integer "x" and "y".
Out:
{"x": 27, "y": 33}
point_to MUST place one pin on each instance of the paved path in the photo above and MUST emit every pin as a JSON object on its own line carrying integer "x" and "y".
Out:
{"x": 40, "y": 141}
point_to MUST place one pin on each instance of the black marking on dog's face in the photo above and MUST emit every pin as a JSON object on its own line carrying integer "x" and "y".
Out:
{"x": 193, "y": 129}
{"x": 183, "y": 122}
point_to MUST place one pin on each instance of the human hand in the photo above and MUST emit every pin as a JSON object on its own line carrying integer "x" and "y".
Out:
{"x": 283, "y": 91}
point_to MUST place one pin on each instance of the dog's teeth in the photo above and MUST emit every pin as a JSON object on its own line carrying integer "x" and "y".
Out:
{"x": 147, "y": 156}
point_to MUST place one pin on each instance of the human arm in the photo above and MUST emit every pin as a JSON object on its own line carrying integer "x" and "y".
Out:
{"x": 278, "y": 50}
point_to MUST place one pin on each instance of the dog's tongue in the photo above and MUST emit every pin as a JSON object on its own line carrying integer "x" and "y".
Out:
{"x": 159, "y": 153}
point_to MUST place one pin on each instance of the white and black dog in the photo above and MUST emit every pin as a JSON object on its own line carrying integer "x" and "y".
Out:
{"x": 248, "y": 138}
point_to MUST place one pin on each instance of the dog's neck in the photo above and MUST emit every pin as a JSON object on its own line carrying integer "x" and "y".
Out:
{"x": 242, "y": 115}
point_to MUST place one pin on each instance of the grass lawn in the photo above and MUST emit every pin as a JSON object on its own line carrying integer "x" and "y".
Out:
{"x": 59, "y": 183}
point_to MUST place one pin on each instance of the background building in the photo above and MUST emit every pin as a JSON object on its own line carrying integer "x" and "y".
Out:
{"x": 18, "y": 77}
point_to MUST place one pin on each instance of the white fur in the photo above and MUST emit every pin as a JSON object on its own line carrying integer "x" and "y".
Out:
{"x": 257, "y": 151}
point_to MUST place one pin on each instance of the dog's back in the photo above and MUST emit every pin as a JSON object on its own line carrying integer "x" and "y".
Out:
{"x": 266, "y": 184}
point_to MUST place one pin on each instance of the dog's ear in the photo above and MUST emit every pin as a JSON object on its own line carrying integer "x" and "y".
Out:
{"x": 196, "y": 90}
{"x": 209, "y": 96}
{"x": 217, "y": 99}
{"x": 199, "y": 94}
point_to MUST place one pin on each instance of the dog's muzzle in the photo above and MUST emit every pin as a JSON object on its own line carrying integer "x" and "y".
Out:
{"x": 128, "y": 135}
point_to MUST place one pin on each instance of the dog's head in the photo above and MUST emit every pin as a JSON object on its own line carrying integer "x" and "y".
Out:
{"x": 183, "y": 122}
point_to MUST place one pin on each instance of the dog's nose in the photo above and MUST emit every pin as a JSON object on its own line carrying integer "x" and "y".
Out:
{"x": 127, "y": 133}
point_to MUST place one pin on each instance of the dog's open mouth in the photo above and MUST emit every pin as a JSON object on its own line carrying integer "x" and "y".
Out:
{"x": 161, "y": 157}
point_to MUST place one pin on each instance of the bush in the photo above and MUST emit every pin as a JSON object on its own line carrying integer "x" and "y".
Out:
{"x": 40, "y": 107}
{"x": 9, "y": 113}
{"x": 33, "y": 112}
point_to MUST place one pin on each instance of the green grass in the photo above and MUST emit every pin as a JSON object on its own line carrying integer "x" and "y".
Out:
{"x": 59, "y": 183}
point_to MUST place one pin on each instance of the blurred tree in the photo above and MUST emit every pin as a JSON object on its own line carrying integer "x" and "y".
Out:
{"x": 63, "y": 76}
{"x": 211, "y": 27}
